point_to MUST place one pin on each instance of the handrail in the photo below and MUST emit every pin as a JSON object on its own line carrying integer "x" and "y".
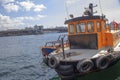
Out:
{"x": 58, "y": 40}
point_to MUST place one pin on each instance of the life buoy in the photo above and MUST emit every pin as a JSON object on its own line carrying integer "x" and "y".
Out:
{"x": 102, "y": 62}
{"x": 85, "y": 65}
{"x": 53, "y": 62}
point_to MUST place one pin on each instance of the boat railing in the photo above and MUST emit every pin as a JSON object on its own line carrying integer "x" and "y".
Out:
{"x": 62, "y": 36}
{"x": 58, "y": 42}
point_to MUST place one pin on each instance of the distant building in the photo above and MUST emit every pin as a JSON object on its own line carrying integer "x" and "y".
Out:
{"x": 112, "y": 24}
{"x": 61, "y": 27}
{"x": 38, "y": 29}
{"x": 12, "y": 29}
{"x": 28, "y": 28}
{"x": 119, "y": 26}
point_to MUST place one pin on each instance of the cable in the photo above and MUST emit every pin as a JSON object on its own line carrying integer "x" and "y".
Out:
{"x": 100, "y": 7}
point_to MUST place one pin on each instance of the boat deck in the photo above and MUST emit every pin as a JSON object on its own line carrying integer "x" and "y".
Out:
{"x": 78, "y": 54}
{"x": 117, "y": 48}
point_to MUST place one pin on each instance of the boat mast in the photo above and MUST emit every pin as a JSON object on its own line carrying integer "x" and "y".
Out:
{"x": 100, "y": 8}
{"x": 62, "y": 39}
{"x": 66, "y": 8}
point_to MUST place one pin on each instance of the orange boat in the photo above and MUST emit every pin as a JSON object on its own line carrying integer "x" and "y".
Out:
{"x": 93, "y": 46}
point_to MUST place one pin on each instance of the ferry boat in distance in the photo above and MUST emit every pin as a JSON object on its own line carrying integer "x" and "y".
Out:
{"x": 92, "y": 46}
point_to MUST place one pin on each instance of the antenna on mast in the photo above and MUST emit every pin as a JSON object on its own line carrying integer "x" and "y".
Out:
{"x": 100, "y": 8}
{"x": 66, "y": 8}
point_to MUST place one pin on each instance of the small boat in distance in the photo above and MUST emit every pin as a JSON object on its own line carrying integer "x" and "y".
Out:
{"x": 54, "y": 45}
{"x": 91, "y": 46}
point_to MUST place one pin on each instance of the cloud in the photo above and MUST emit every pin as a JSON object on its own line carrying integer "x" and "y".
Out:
{"x": 38, "y": 8}
{"x": 71, "y": 1}
{"x": 27, "y": 5}
{"x": 38, "y": 17}
{"x": 6, "y": 1}
{"x": 11, "y": 7}
{"x": 6, "y": 22}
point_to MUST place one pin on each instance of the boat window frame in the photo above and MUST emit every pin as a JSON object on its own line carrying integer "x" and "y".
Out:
{"x": 82, "y": 28}
{"x": 103, "y": 25}
{"x": 98, "y": 29}
{"x": 78, "y": 30}
{"x": 92, "y": 27}
{"x": 73, "y": 29}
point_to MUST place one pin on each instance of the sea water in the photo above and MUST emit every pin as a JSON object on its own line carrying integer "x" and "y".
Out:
{"x": 21, "y": 59}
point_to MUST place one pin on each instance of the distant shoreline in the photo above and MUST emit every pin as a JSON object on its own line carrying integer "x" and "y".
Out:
{"x": 24, "y": 32}
{"x": 18, "y": 33}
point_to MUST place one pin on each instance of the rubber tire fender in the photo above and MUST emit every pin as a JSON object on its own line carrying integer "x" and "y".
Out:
{"x": 65, "y": 70}
{"x": 53, "y": 62}
{"x": 65, "y": 67}
{"x": 85, "y": 65}
{"x": 71, "y": 77}
{"x": 102, "y": 62}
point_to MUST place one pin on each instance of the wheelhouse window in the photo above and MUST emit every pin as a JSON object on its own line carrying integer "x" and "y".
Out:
{"x": 98, "y": 26}
{"x": 71, "y": 29}
{"x": 90, "y": 26}
{"x": 80, "y": 27}
{"x": 104, "y": 25}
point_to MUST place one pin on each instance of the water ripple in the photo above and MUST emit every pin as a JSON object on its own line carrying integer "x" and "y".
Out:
{"x": 4, "y": 73}
{"x": 28, "y": 66}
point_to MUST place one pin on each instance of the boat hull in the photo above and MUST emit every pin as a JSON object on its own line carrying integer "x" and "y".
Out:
{"x": 68, "y": 70}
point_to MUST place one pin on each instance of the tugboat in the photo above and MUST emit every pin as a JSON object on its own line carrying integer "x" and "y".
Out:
{"x": 92, "y": 46}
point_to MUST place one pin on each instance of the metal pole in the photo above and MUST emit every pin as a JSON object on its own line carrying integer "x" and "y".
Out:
{"x": 66, "y": 10}
{"x": 63, "y": 48}
{"x": 100, "y": 8}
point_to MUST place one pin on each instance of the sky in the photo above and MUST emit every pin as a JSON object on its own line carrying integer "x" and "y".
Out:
{"x": 18, "y": 14}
